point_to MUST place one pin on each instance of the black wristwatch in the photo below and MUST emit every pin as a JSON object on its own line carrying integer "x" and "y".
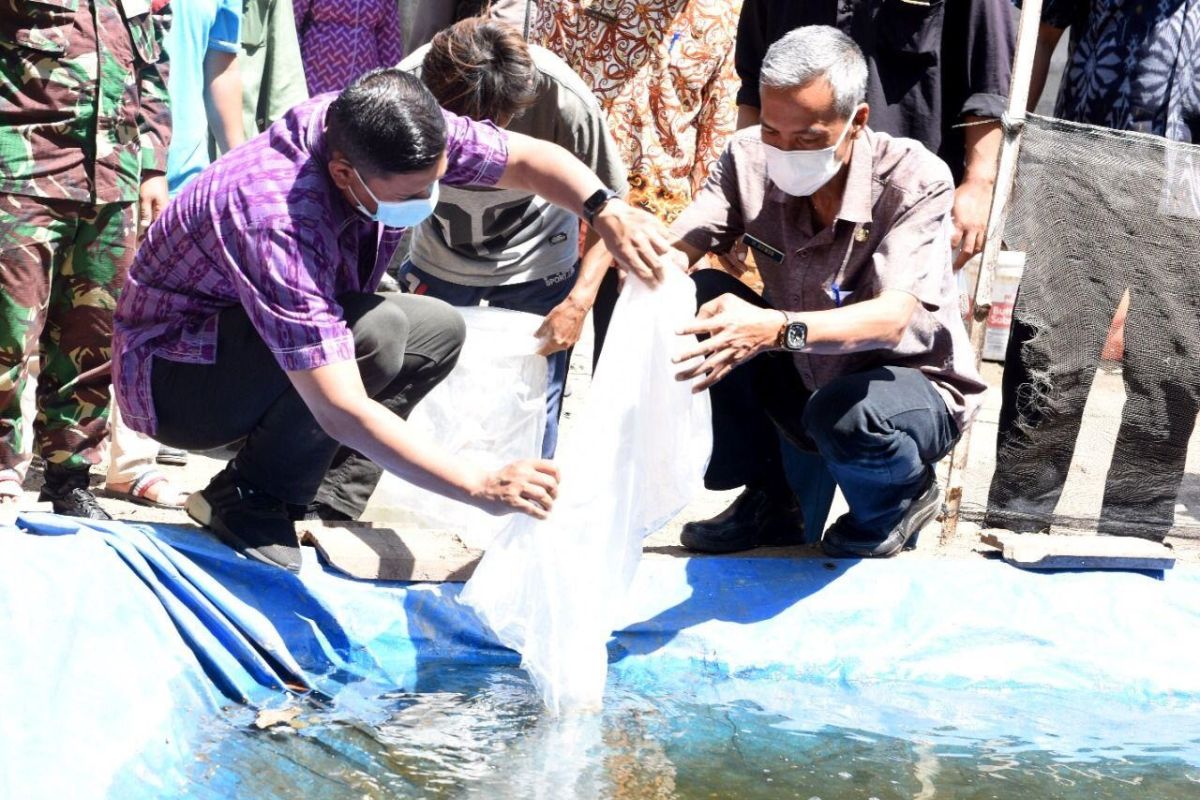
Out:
{"x": 592, "y": 206}
{"x": 792, "y": 335}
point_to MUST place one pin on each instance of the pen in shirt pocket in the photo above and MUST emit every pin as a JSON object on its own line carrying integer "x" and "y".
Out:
{"x": 836, "y": 292}
{"x": 838, "y": 295}
{"x": 675, "y": 37}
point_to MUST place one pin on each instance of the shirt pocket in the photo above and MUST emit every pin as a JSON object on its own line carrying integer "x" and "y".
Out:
{"x": 911, "y": 26}
{"x": 42, "y": 25}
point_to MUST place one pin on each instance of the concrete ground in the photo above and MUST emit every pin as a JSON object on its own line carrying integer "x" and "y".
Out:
{"x": 1081, "y": 497}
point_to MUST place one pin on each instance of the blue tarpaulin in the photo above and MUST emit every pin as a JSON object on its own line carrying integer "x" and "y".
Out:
{"x": 126, "y": 646}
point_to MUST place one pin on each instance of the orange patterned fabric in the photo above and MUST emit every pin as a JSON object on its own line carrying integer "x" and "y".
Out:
{"x": 663, "y": 71}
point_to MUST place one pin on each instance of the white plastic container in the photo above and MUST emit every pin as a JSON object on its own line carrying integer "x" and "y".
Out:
{"x": 1009, "y": 267}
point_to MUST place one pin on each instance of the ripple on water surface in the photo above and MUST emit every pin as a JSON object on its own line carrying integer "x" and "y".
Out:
{"x": 475, "y": 732}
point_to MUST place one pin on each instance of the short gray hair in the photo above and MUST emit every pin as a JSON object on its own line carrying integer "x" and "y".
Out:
{"x": 818, "y": 51}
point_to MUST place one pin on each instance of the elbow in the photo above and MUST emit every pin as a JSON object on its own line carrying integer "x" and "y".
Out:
{"x": 896, "y": 317}
{"x": 894, "y": 337}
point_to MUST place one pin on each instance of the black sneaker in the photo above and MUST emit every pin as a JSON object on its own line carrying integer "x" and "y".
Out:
{"x": 756, "y": 518}
{"x": 845, "y": 540}
{"x": 247, "y": 519}
{"x": 317, "y": 511}
{"x": 69, "y": 495}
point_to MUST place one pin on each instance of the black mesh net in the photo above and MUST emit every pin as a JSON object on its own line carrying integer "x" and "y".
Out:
{"x": 1100, "y": 213}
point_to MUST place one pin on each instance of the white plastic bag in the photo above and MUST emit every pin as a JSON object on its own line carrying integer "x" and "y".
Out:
{"x": 552, "y": 590}
{"x": 490, "y": 410}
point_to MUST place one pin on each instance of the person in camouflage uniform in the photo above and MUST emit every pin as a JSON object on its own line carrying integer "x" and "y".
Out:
{"x": 84, "y": 129}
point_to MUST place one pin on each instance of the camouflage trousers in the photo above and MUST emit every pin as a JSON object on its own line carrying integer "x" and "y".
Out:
{"x": 62, "y": 264}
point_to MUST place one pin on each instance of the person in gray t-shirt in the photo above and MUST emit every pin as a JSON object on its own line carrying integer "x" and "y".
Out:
{"x": 510, "y": 248}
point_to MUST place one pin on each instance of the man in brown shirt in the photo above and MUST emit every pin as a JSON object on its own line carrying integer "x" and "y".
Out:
{"x": 856, "y": 351}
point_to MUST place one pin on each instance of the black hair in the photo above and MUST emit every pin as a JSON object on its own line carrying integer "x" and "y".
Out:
{"x": 387, "y": 121}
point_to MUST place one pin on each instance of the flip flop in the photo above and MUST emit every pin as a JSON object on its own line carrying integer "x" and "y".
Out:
{"x": 138, "y": 492}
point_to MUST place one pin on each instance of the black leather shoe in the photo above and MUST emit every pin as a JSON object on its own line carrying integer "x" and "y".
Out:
{"x": 845, "y": 540}
{"x": 68, "y": 493}
{"x": 247, "y": 519}
{"x": 755, "y": 519}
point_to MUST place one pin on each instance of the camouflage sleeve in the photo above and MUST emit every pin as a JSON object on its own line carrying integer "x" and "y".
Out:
{"x": 154, "y": 111}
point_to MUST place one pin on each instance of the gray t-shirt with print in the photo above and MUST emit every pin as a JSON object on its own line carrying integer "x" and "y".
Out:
{"x": 498, "y": 237}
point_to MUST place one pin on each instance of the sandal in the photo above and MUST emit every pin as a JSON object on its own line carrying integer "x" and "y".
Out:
{"x": 139, "y": 492}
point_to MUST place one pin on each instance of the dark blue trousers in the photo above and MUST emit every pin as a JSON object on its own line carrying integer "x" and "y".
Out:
{"x": 879, "y": 431}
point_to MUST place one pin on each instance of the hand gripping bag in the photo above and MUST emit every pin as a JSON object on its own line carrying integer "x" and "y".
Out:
{"x": 490, "y": 410}
{"x": 553, "y": 590}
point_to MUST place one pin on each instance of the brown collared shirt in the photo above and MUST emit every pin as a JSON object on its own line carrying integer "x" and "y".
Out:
{"x": 892, "y": 232}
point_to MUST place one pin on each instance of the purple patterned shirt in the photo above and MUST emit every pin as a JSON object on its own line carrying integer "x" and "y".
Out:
{"x": 265, "y": 227}
{"x": 341, "y": 40}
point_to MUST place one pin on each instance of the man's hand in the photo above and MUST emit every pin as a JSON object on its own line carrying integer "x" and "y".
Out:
{"x": 562, "y": 326}
{"x": 152, "y": 199}
{"x": 734, "y": 261}
{"x": 972, "y": 204}
{"x": 635, "y": 238}
{"x": 737, "y": 331}
{"x": 529, "y": 486}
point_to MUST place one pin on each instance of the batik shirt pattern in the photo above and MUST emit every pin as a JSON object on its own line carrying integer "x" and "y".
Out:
{"x": 663, "y": 72}
{"x": 1134, "y": 65}
{"x": 265, "y": 228}
{"x": 343, "y": 39}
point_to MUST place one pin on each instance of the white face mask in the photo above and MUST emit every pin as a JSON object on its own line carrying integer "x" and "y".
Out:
{"x": 800, "y": 173}
{"x": 398, "y": 213}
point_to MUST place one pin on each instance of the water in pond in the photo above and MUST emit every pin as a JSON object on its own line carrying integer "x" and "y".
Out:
{"x": 480, "y": 732}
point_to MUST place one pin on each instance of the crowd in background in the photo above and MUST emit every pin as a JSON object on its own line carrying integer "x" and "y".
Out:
{"x": 108, "y": 108}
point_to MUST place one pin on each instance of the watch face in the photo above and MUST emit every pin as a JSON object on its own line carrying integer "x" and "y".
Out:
{"x": 796, "y": 337}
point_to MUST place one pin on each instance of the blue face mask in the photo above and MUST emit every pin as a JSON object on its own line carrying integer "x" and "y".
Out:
{"x": 398, "y": 213}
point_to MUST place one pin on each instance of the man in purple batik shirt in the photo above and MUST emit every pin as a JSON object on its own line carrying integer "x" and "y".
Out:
{"x": 250, "y": 314}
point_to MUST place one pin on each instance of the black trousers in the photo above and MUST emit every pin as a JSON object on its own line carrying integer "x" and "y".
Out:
{"x": 879, "y": 431}
{"x": 404, "y": 345}
{"x": 1046, "y": 387}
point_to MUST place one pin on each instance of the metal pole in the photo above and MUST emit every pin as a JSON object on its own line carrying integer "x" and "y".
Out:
{"x": 1014, "y": 125}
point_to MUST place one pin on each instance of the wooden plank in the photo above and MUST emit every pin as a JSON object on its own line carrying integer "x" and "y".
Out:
{"x": 1006, "y": 171}
{"x": 376, "y": 552}
{"x": 1057, "y": 551}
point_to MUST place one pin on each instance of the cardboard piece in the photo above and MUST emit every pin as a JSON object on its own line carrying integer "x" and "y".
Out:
{"x": 1059, "y": 551}
{"x": 373, "y": 551}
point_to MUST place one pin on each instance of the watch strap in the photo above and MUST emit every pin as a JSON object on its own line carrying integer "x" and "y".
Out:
{"x": 597, "y": 201}
{"x": 781, "y": 337}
